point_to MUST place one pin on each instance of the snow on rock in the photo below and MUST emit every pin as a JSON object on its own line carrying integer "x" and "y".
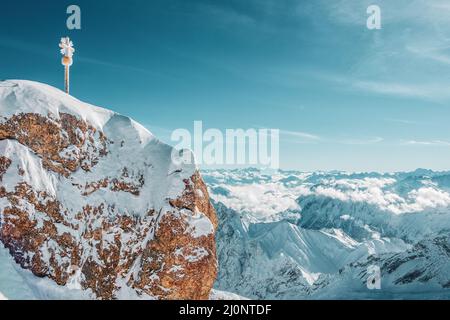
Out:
{"x": 223, "y": 295}
{"x": 91, "y": 202}
{"x": 344, "y": 223}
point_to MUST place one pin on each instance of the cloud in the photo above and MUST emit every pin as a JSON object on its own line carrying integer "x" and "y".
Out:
{"x": 39, "y": 49}
{"x": 227, "y": 14}
{"x": 306, "y": 137}
{"x": 433, "y": 143}
{"x": 302, "y": 135}
{"x": 377, "y": 192}
{"x": 267, "y": 196}
{"x": 426, "y": 90}
{"x": 432, "y": 91}
{"x": 369, "y": 190}
{"x": 368, "y": 141}
{"x": 260, "y": 200}
{"x": 429, "y": 198}
{"x": 402, "y": 121}
{"x": 395, "y": 89}
{"x": 433, "y": 53}
{"x": 411, "y": 12}
{"x": 22, "y": 45}
{"x": 405, "y": 58}
{"x": 125, "y": 67}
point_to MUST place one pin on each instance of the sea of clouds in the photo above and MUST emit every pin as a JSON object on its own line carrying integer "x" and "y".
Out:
{"x": 262, "y": 196}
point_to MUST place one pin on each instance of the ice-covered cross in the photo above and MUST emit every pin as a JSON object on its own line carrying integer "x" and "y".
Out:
{"x": 67, "y": 51}
{"x": 66, "y": 46}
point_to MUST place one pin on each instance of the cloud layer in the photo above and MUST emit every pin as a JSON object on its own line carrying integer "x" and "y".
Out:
{"x": 264, "y": 196}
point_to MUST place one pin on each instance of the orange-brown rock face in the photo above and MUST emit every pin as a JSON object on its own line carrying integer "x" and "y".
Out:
{"x": 92, "y": 201}
{"x": 49, "y": 138}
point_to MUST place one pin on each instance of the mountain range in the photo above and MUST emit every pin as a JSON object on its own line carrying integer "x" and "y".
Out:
{"x": 93, "y": 207}
{"x": 296, "y": 235}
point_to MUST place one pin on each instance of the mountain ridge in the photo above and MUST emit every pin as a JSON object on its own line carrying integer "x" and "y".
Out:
{"x": 342, "y": 225}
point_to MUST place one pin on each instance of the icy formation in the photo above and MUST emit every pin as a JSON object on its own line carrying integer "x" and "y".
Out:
{"x": 223, "y": 295}
{"x": 92, "y": 206}
{"x": 293, "y": 235}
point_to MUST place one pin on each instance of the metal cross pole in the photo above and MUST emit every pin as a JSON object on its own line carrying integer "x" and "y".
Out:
{"x": 67, "y": 51}
{"x": 67, "y": 79}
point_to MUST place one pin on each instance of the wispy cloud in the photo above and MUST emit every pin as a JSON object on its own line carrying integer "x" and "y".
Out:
{"x": 425, "y": 90}
{"x": 38, "y": 49}
{"x": 306, "y": 137}
{"x": 21, "y": 45}
{"x": 396, "y": 89}
{"x": 366, "y": 141}
{"x": 125, "y": 67}
{"x": 433, "y": 143}
{"x": 302, "y": 135}
{"x": 405, "y": 58}
{"x": 436, "y": 54}
{"x": 423, "y": 12}
{"x": 402, "y": 121}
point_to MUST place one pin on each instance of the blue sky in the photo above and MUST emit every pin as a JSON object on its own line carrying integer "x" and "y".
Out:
{"x": 343, "y": 96}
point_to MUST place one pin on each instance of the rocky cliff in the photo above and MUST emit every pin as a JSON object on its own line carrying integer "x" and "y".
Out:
{"x": 92, "y": 201}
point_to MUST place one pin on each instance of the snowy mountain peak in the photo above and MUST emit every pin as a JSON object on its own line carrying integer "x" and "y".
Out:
{"x": 91, "y": 200}
{"x": 296, "y": 235}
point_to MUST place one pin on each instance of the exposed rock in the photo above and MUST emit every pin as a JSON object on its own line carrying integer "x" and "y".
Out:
{"x": 91, "y": 200}
{"x": 64, "y": 144}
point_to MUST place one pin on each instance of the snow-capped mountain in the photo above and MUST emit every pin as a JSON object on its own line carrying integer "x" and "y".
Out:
{"x": 294, "y": 235}
{"x": 92, "y": 206}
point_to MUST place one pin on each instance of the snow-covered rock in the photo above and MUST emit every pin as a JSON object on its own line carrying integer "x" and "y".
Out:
{"x": 421, "y": 272}
{"x": 91, "y": 202}
{"x": 343, "y": 225}
{"x": 223, "y": 295}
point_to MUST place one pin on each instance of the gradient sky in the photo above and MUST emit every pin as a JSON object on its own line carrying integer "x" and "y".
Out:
{"x": 343, "y": 96}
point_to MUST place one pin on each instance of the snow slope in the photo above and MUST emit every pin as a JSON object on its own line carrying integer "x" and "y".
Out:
{"x": 223, "y": 295}
{"x": 341, "y": 224}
